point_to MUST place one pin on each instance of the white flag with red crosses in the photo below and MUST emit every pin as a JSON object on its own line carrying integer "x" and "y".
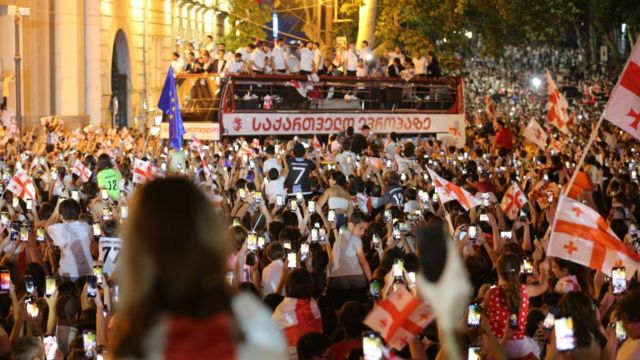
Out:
{"x": 513, "y": 200}
{"x": 623, "y": 108}
{"x": 82, "y": 171}
{"x": 143, "y": 171}
{"x": 536, "y": 134}
{"x": 448, "y": 191}
{"x": 579, "y": 234}
{"x": 399, "y": 318}
{"x": 558, "y": 113}
{"x": 22, "y": 186}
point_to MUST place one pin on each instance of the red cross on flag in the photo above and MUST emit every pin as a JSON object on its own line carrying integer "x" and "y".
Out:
{"x": 623, "y": 108}
{"x": 448, "y": 191}
{"x": 21, "y": 185}
{"x": 536, "y": 134}
{"x": 195, "y": 144}
{"x": 297, "y": 317}
{"x": 143, "y": 171}
{"x": 82, "y": 171}
{"x": 579, "y": 234}
{"x": 558, "y": 113}
{"x": 513, "y": 200}
{"x": 399, "y": 318}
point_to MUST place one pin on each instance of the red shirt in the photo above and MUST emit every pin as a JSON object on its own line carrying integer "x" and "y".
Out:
{"x": 498, "y": 313}
{"x": 504, "y": 138}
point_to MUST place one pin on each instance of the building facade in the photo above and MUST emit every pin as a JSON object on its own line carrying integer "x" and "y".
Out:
{"x": 81, "y": 57}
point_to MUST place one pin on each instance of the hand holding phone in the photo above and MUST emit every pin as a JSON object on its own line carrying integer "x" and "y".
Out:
{"x": 565, "y": 338}
{"x": 291, "y": 260}
{"x": 474, "y": 315}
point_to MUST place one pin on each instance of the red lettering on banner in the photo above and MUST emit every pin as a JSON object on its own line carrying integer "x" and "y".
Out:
{"x": 277, "y": 125}
{"x": 349, "y": 122}
{"x": 407, "y": 123}
{"x": 417, "y": 124}
{"x": 318, "y": 125}
{"x": 428, "y": 121}
{"x": 308, "y": 124}
{"x": 255, "y": 125}
{"x": 328, "y": 124}
{"x": 296, "y": 124}
{"x": 287, "y": 124}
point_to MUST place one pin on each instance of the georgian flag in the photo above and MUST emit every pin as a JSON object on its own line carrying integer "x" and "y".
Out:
{"x": 513, "y": 200}
{"x": 399, "y": 318}
{"x": 579, "y": 234}
{"x": 296, "y": 317}
{"x": 623, "y": 107}
{"x": 536, "y": 134}
{"x": 448, "y": 191}
{"x": 22, "y": 186}
{"x": 143, "y": 171}
{"x": 127, "y": 139}
{"x": 82, "y": 171}
{"x": 558, "y": 113}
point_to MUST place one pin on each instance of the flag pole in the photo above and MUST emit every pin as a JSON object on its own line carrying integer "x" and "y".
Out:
{"x": 594, "y": 133}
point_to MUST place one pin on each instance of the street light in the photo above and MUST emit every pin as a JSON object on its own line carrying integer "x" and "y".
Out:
{"x": 536, "y": 82}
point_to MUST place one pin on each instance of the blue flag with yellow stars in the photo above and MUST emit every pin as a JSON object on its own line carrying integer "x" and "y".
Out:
{"x": 169, "y": 104}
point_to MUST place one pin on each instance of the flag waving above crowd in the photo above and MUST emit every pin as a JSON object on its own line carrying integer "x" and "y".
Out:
{"x": 579, "y": 234}
{"x": 513, "y": 200}
{"x": 448, "y": 191}
{"x": 557, "y": 112}
{"x": 536, "y": 134}
{"x": 623, "y": 108}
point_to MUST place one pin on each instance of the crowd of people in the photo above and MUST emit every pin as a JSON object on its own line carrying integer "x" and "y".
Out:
{"x": 282, "y": 248}
{"x": 261, "y": 57}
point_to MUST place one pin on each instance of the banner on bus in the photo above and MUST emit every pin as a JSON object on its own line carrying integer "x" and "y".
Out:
{"x": 202, "y": 130}
{"x": 236, "y": 124}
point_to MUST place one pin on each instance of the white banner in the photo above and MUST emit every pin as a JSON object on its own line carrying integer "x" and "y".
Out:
{"x": 202, "y": 130}
{"x": 236, "y": 124}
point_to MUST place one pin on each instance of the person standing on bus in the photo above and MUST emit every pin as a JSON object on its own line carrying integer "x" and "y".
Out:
{"x": 318, "y": 57}
{"x": 177, "y": 64}
{"x": 420, "y": 64}
{"x": 257, "y": 59}
{"x": 307, "y": 55}
{"x": 350, "y": 60}
{"x": 278, "y": 57}
{"x": 433, "y": 69}
{"x": 220, "y": 63}
{"x": 236, "y": 66}
{"x": 298, "y": 169}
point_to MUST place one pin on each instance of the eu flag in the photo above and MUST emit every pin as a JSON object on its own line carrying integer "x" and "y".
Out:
{"x": 169, "y": 104}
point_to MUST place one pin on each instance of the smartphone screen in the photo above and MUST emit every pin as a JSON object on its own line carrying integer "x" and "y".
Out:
{"x": 484, "y": 217}
{"x": 89, "y": 343}
{"x": 474, "y": 353}
{"x": 98, "y": 273}
{"x": 106, "y": 214}
{"x": 242, "y": 193}
{"x": 29, "y": 204}
{"x": 374, "y": 288}
{"x": 372, "y": 346}
{"x": 261, "y": 241}
{"x": 474, "y": 315}
{"x": 527, "y": 266}
{"x": 299, "y": 197}
{"x": 304, "y": 250}
{"x": 549, "y": 321}
{"x": 314, "y": 234}
{"x": 312, "y": 206}
{"x": 375, "y": 239}
{"x": 291, "y": 260}
{"x": 287, "y": 245}
{"x": 293, "y": 204}
{"x": 252, "y": 241}
{"x": 619, "y": 280}
{"x": 124, "y": 212}
{"x": 40, "y": 234}
{"x": 435, "y": 198}
{"x": 4, "y": 217}
{"x": 24, "y": 233}
{"x": 387, "y": 216}
{"x": 332, "y": 216}
{"x": 29, "y": 284}
{"x": 50, "y": 286}
{"x": 513, "y": 320}
{"x": 397, "y": 268}
{"x": 472, "y": 232}
{"x": 104, "y": 194}
{"x": 32, "y": 306}
{"x": 5, "y": 280}
{"x": 15, "y": 202}
{"x": 92, "y": 286}
{"x": 279, "y": 200}
{"x": 50, "y": 346}
{"x": 549, "y": 197}
{"x": 523, "y": 215}
{"x": 96, "y": 229}
{"x": 621, "y": 334}
{"x": 505, "y": 235}
{"x": 565, "y": 339}
{"x": 75, "y": 195}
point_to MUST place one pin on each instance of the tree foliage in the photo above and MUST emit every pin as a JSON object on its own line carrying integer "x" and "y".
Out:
{"x": 248, "y": 18}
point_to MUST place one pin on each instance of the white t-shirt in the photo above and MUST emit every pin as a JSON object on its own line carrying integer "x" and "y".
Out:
{"x": 351, "y": 60}
{"x": 318, "y": 58}
{"x": 74, "y": 240}
{"x": 234, "y": 66}
{"x": 306, "y": 59}
{"x": 271, "y": 163}
{"x": 343, "y": 161}
{"x": 345, "y": 256}
{"x": 271, "y": 277}
{"x": 258, "y": 58}
{"x": 420, "y": 64}
{"x": 278, "y": 57}
{"x": 293, "y": 63}
{"x": 273, "y": 188}
{"x": 109, "y": 253}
